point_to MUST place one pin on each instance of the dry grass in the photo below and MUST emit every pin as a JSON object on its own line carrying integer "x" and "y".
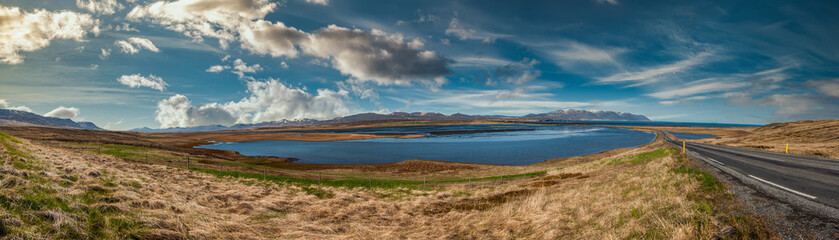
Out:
{"x": 647, "y": 192}
{"x": 818, "y": 138}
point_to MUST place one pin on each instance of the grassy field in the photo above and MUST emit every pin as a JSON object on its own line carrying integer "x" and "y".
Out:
{"x": 77, "y": 190}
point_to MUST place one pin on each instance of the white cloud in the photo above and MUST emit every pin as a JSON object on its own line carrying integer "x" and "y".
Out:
{"x": 612, "y": 2}
{"x": 464, "y": 32}
{"x": 63, "y": 112}
{"x": 94, "y": 66}
{"x": 5, "y": 105}
{"x": 275, "y": 39}
{"x": 137, "y": 80}
{"x": 105, "y": 54}
{"x": 22, "y": 31}
{"x": 20, "y": 108}
{"x": 177, "y": 111}
{"x": 268, "y": 101}
{"x": 651, "y": 75}
{"x": 826, "y": 87}
{"x": 319, "y": 2}
{"x": 240, "y": 68}
{"x": 106, "y": 7}
{"x": 217, "y": 68}
{"x": 580, "y": 57}
{"x": 384, "y": 59}
{"x": 520, "y": 72}
{"x": 134, "y": 44}
{"x": 204, "y": 18}
{"x": 694, "y": 89}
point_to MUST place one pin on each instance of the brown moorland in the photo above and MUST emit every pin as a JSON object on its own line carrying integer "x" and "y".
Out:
{"x": 72, "y": 189}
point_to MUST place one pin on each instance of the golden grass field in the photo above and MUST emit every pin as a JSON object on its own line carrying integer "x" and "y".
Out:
{"x": 77, "y": 190}
{"x": 818, "y": 138}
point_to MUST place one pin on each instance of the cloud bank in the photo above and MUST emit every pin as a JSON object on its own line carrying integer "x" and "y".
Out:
{"x": 368, "y": 56}
{"x": 268, "y": 101}
{"x": 22, "y": 31}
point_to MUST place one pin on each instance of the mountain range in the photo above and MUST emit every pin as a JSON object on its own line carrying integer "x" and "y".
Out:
{"x": 566, "y": 114}
{"x": 10, "y": 117}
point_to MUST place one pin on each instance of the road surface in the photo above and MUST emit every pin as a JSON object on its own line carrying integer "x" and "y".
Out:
{"x": 795, "y": 178}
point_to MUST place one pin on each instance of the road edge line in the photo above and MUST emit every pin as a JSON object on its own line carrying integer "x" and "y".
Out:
{"x": 784, "y": 188}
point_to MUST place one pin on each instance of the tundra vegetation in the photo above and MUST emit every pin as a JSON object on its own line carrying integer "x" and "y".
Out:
{"x": 73, "y": 190}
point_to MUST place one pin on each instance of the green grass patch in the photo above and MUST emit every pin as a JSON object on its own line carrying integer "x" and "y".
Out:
{"x": 355, "y": 182}
{"x": 641, "y": 157}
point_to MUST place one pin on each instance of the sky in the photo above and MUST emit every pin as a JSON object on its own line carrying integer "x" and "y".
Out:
{"x": 125, "y": 64}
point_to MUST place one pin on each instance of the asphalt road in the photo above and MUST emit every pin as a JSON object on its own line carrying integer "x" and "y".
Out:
{"x": 807, "y": 178}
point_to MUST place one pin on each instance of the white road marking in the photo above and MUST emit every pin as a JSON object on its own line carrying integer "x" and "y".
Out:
{"x": 784, "y": 188}
{"x": 718, "y": 162}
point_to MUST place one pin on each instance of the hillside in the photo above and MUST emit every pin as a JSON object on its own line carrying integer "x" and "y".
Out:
{"x": 10, "y": 117}
{"x": 567, "y": 114}
{"x": 577, "y": 114}
{"x": 818, "y": 138}
{"x": 54, "y": 190}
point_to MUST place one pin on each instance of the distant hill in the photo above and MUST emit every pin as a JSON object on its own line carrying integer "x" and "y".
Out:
{"x": 568, "y": 114}
{"x": 10, "y": 117}
{"x": 577, "y": 114}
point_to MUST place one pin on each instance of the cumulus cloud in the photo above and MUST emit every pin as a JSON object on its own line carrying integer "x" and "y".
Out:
{"x": 106, "y": 7}
{"x": 370, "y": 56}
{"x": 137, "y": 80}
{"x": 385, "y": 59}
{"x": 239, "y": 67}
{"x": 204, "y": 18}
{"x": 22, "y": 31}
{"x": 177, "y": 111}
{"x": 319, "y": 2}
{"x": 63, "y": 112}
{"x": 135, "y": 44}
{"x": 268, "y": 101}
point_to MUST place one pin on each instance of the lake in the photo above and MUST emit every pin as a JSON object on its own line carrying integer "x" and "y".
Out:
{"x": 486, "y": 144}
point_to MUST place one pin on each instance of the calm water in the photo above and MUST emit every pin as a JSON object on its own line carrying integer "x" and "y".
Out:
{"x": 486, "y": 144}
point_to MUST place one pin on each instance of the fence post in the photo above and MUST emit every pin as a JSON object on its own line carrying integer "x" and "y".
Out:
{"x": 423, "y": 182}
{"x": 187, "y": 164}
{"x": 147, "y": 158}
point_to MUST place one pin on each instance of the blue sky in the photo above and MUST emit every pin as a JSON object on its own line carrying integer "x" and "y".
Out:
{"x": 178, "y": 63}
